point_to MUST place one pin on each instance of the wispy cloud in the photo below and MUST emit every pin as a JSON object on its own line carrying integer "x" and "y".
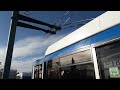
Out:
{"x": 25, "y": 51}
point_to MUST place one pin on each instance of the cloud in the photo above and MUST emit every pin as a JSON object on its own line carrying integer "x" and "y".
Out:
{"x": 28, "y": 46}
{"x": 32, "y": 45}
{"x": 23, "y": 66}
{"x": 2, "y": 56}
{"x": 27, "y": 50}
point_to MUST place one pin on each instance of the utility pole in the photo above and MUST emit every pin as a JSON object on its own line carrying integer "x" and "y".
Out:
{"x": 10, "y": 45}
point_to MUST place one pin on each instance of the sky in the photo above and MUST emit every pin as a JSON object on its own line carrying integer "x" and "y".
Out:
{"x": 31, "y": 44}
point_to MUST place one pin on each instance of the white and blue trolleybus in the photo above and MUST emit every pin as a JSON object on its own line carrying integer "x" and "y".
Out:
{"x": 90, "y": 52}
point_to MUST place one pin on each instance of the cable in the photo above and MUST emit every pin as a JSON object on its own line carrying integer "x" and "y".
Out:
{"x": 73, "y": 26}
{"x": 78, "y": 21}
{"x": 27, "y": 12}
{"x": 53, "y": 29}
{"x": 65, "y": 21}
{"x": 46, "y": 37}
{"x": 62, "y": 17}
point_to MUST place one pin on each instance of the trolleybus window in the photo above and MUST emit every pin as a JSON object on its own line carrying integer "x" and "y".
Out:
{"x": 38, "y": 72}
{"x": 78, "y": 58}
{"x": 53, "y": 69}
{"x": 109, "y": 60}
{"x": 80, "y": 71}
{"x": 77, "y": 66}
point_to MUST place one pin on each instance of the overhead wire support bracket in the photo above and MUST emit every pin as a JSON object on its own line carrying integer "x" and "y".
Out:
{"x": 21, "y": 24}
{"x": 24, "y": 18}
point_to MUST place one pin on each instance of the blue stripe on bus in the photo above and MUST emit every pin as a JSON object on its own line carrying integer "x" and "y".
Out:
{"x": 108, "y": 34}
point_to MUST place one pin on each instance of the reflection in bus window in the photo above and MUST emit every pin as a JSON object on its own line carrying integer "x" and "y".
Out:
{"x": 38, "y": 72}
{"x": 81, "y": 71}
{"x": 53, "y": 70}
{"x": 71, "y": 67}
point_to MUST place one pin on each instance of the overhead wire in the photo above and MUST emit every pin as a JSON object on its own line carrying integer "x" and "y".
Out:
{"x": 77, "y": 24}
{"x": 78, "y": 21}
{"x": 73, "y": 26}
{"x": 65, "y": 21}
{"x": 27, "y": 12}
{"x": 52, "y": 29}
{"x": 62, "y": 17}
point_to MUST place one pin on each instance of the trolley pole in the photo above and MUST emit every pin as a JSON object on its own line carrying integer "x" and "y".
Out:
{"x": 10, "y": 45}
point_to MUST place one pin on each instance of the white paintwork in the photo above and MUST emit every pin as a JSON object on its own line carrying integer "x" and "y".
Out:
{"x": 33, "y": 67}
{"x": 97, "y": 75}
{"x": 102, "y": 22}
{"x": 42, "y": 69}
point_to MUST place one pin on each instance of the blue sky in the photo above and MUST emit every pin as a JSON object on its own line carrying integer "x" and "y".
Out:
{"x": 31, "y": 44}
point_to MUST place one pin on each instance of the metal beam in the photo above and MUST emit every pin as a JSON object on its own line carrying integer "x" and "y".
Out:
{"x": 10, "y": 45}
{"x": 24, "y": 18}
{"x": 34, "y": 27}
